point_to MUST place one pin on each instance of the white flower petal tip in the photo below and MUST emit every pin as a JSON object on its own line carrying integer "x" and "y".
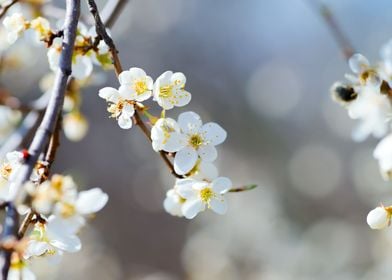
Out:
{"x": 378, "y": 218}
{"x": 358, "y": 63}
{"x": 91, "y": 201}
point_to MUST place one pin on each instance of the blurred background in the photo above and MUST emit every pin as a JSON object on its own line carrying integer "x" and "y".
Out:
{"x": 261, "y": 69}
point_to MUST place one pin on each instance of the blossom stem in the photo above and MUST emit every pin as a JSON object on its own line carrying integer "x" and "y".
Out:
{"x": 339, "y": 36}
{"x": 243, "y": 188}
{"x": 4, "y": 8}
{"x": 25, "y": 224}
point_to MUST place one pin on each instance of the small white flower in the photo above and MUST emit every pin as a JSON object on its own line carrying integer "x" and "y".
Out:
{"x": 173, "y": 203}
{"x": 373, "y": 109}
{"x": 365, "y": 74}
{"x": 120, "y": 108}
{"x": 11, "y": 165}
{"x": 166, "y": 135}
{"x": 135, "y": 85}
{"x": 15, "y": 26}
{"x": 73, "y": 211}
{"x": 378, "y": 218}
{"x": 202, "y": 194}
{"x": 42, "y": 28}
{"x": 169, "y": 90}
{"x": 383, "y": 153}
{"x": 198, "y": 141}
{"x": 82, "y": 65}
{"x": 75, "y": 126}
{"x": 189, "y": 138}
{"x": 51, "y": 240}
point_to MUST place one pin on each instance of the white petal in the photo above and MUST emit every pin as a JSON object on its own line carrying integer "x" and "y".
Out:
{"x": 214, "y": 133}
{"x": 178, "y": 79}
{"x": 82, "y": 68}
{"x": 189, "y": 122}
{"x": 125, "y": 121}
{"x": 127, "y": 92}
{"x": 218, "y": 205}
{"x": 184, "y": 188}
{"x": 378, "y": 218}
{"x": 358, "y": 63}
{"x": 109, "y": 94}
{"x": 182, "y": 98}
{"x": 207, "y": 153}
{"x": 207, "y": 171}
{"x": 91, "y": 201}
{"x": 68, "y": 243}
{"x": 36, "y": 248}
{"x": 221, "y": 185}
{"x": 128, "y": 109}
{"x": 125, "y": 77}
{"x": 185, "y": 160}
{"x": 192, "y": 207}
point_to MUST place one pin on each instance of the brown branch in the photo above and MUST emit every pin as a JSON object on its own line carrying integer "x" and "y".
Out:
{"x": 243, "y": 188}
{"x": 25, "y": 224}
{"x": 101, "y": 32}
{"x": 339, "y": 36}
{"x": 111, "y": 11}
{"x": 4, "y": 8}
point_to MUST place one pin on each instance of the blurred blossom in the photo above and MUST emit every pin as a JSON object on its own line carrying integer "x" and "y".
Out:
{"x": 274, "y": 89}
{"x": 366, "y": 177}
{"x": 315, "y": 170}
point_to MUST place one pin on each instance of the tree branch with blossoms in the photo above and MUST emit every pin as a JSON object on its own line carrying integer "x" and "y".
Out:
{"x": 54, "y": 210}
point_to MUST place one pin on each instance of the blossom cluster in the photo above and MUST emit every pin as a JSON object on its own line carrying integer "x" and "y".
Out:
{"x": 60, "y": 211}
{"x": 367, "y": 96}
{"x": 188, "y": 140}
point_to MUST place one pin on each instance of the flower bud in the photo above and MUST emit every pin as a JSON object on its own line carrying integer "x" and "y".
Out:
{"x": 378, "y": 218}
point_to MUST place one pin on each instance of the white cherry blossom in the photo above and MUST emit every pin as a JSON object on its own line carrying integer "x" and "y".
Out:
{"x": 166, "y": 136}
{"x": 173, "y": 203}
{"x": 169, "y": 90}
{"x": 366, "y": 75}
{"x": 19, "y": 270}
{"x": 51, "y": 240}
{"x": 15, "y": 25}
{"x": 378, "y": 218}
{"x": 200, "y": 195}
{"x": 135, "y": 84}
{"x": 75, "y": 126}
{"x": 383, "y": 153}
{"x": 119, "y": 107}
{"x": 11, "y": 165}
{"x": 373, "y": 110}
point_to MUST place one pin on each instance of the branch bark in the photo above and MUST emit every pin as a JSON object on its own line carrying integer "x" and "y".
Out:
{"x": 5, "y": 7}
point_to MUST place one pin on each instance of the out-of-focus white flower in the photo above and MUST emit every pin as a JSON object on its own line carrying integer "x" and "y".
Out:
{"x": 373, "y": 110}
{"x": 82, "y": 66}
{"x": 378, "y": 218}
{"x": 173, "y": 203}
{"x": 56, "y": 189}
{"x": 383, "y": 153}
{"x": 119, "y": 108}
{"x": 8, "y": 119}
{"x": 51, "y": 240}
{"x": 41, "y": 26}
{"x": 15, "y": 25}
{"x": 19, "y": 270}
{"x": 74, "y": 210}
{"x": 75, "y": 126}
{"x": 169, "y": 90}
{"x": 202, "y": 194}
{"x": 135, "y": 84}
{"x": 11, "y": 165}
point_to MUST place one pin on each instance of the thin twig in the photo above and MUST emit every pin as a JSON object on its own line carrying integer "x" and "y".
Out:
{"x": 111, "y": 11}
{"x": 339, "y": 36}
{"x": 4, "y": 8}
{"x": 25, "y": 224}
{"x": 243, "y": 188}
{"x": 101, "y": 31}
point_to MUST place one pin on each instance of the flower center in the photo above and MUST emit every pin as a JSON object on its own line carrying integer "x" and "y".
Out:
{"x": 6, "y": 170}
{"x": 140, "y": 87}
{"x": 166, "y": 91}
{"x": 68, "y": 210}
{"x": 196, "y": 140}
{"x": 206, "y": 195}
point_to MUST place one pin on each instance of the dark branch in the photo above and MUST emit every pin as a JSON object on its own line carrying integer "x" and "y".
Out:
{"x": 4, "y": 8}
{"x": 10, "y": 231}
